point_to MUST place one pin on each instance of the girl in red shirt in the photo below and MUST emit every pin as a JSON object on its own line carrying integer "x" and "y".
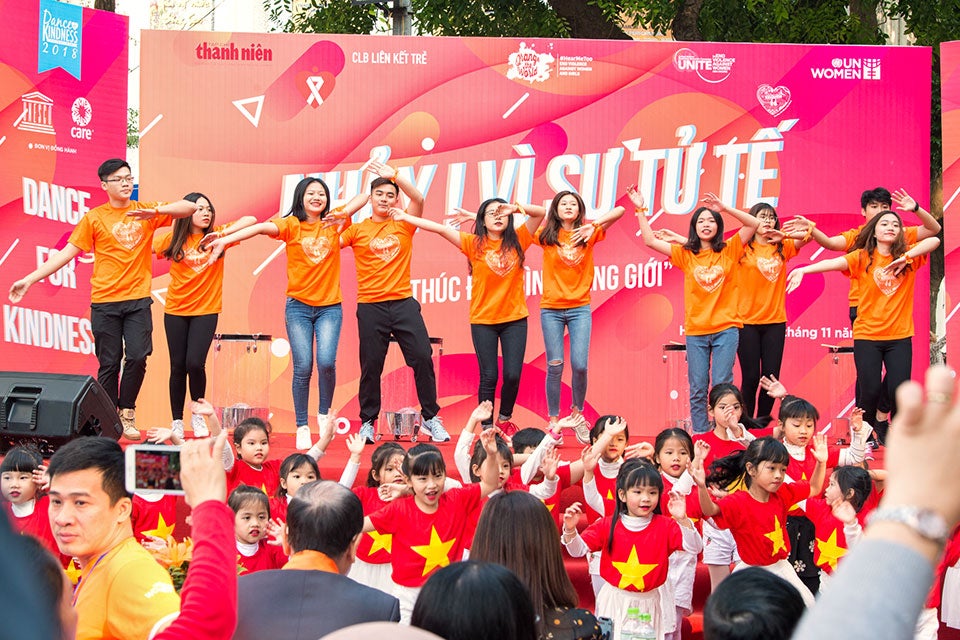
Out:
{"x": 251, "y": 525}
{"x": 757, "y": 517}
{"x": 635, "y": 543}
{"x": 24, "y": 504}
{"x": 839, "y": 516}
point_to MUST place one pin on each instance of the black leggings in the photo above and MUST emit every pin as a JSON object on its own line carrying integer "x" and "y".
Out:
{"x": 760, "y": 352}
{"x": 871, "y": 358}
{"x": 511, "y": 337}
{"x": 188, "y": 340}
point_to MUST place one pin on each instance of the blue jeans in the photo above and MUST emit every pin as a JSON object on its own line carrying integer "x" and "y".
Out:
{"x": 722, "y": 348}
{"x": 579, "y": 321}
{"x": 304, "y": 324}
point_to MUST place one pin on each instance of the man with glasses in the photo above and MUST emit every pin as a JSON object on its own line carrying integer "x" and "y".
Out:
{"x": 120, "y": 235}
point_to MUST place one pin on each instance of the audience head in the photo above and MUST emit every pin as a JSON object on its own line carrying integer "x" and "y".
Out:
{"x": 706, "y": 225}
{"x": 380, "y": 630}
{"x": 326, "y": 517}
{"x": 475, "y": 601}
{"x": 426, "y": 473}
{"x": 747, "y": 464}
{"x": 16, "y": 474}
{"x": 296, "y": 470}
{"x": 505, "y": 461}
{"x": 798, "y": 420}
{"x": 251, "y": 509}
{"x": 872, "y": 201}
{"x": 752, "y": 604}
{"x": 850, "y": 483}
{"x": 56, "y": 591}
{"x": 311, "y": 194}
{"x": 251, "y": 439}
{"x": 672, "y": 450}
{"x": 618, "y": 443}
{"x": 515, "y": 530}
{"x": 526, "y": 440}
{"x": 88, "y": 472}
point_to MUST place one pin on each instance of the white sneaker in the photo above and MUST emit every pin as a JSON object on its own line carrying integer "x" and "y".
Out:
{"x": 434, "y": 426}
{"x": 322, "y": 423}
{"x": 304, "y": 441}
{"x": 177, "y": 428}
{"x": 366, "y": 432}
{"x": 582, "y": 430}
{"x": 199, "y": 425}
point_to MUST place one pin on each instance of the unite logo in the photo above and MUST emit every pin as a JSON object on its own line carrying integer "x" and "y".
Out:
{"x": 849, "y": 69}
{"x": 527, "y": 64}
{"x": 713, "y": 69}
{"x": 37, "y": 115}
{"x": 81, "y": 112}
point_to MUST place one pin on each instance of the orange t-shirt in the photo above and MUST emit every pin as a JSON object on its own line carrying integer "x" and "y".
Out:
{"x": 761, "y": 280}
{"x": 567, "y": 270}
{"x": 885, "y": 311}
{"x": 121, "y": 250}
{"x": 496, "y": 288}
{"x": 195, "y": 289}
{"x": 709, "y": 293}
{"x": 313, "y": 261}
{"x": 850, "y": 236}
{"x": 381, "y": 253}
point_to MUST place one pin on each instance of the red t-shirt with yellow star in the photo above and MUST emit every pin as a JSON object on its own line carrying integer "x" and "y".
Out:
{"x": 374, "y": 546}
{"x": 266, "y": 478}
{"x": 268, "y": 556}
{"x": 156, "y": 519}
{"x": 760, "y": 528}
{"x": 692, "y": 499}
{"x": 607, "y": 488}
{"x": 718, "y": 448}
{"x": 425, "y": 542}
{"x": 830, "y": 544}
{"x": 639, "y": 560}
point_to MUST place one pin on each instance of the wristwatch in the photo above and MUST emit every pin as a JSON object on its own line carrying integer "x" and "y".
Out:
{"x": 926, "y": 523}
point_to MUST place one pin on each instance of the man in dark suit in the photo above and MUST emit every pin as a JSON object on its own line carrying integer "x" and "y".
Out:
{"x": 311, "y": 597}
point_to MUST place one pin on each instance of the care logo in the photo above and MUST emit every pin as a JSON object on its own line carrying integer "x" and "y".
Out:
{"x": 81, "y": 112}
{"x": 849, "y": 69}
{"x": 527, "y": 64}
{"x": 712, "y": 69}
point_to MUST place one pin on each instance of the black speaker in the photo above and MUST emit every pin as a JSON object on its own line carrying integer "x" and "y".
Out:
{"x": 50, "y": 409}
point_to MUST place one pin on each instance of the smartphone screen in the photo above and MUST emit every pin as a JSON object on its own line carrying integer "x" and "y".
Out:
{"x": 153, "y": 469}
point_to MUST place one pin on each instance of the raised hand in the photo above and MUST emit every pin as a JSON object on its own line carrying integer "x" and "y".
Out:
{"x": 158, "y": 435}
{"x": 202, "y": 407}
{"x": 549, "y": 464}
{"x": 856, "y": 419}
{"x": 383, "y": 170}
{"x": 639, "y": 450}
{"x": 712, "y": 202}
{"x": 903, "y": 200}
{"x": 844, "y": 512}
{"x": 461, "y": 217}
{"x": 482, "y": 412}
{"x": 355, "y": 443}
{"x": 668, "y": 235}
{"x": 571, "y": 517}
{"x": 277, "y": 530}
{"x": 794, "y": 280}
{"x": 772, "y": 386}
{"x": 820, "y": 451}
{"x": 695, "y": 466}
{"x": 677, "y": 506}
{"x": 18, "y": 289}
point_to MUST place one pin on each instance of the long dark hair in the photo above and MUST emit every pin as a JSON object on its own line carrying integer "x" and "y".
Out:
{"x": 755, "y": 211}
{"x": 732, "y": 468}
{"x": 508, "y": 241}
{"x": 693, "y": 240}
{"x": 515, "y": 529}
{"x": 636, "y": 472}
{"x": 181, "y": 229}
{"x": 550, "y": 234}
{"x": 856, "y": 479}
{"x": 296, "y": 208}
{"x": 867, "y": 239}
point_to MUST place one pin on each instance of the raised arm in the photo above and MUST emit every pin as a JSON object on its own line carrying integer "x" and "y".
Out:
{"x": 931, "y": 226}
{"x": 748, "y": 221}
{"x": 489, "y": 470}
{"x": 802, "y": 229}
{"x": 820, "y": 453}
{"x": 178, "y": 209}
{"x": 796, "y": 276}
{"x": 55, "y": 262}
{"x": 699, "y": 475}
{"x": 449, "y": 234}
{"x": 534, "y": 213}
{"x": 416, "y": 198}
{"x": 583, "y": 233}
{"x": 646, "y": 230}
{"x": 218, "y": 245}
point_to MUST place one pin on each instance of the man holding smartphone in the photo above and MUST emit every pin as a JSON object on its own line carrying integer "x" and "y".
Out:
{"x": 123, "y": 592}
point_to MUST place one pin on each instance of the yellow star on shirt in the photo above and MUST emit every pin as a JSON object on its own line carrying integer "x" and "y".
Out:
{"x": 609, "y": 494}
{"x": 631, "y": 571}
{"x": 381, "y": 541}
{"x": 550, "y": 506}
{"x": 830, "y": 552}
{"x": 163, "y": 530}
{"x": 436, "y": 554}
{"x": 776, "y": 537}
{"x": 73, "y": 572}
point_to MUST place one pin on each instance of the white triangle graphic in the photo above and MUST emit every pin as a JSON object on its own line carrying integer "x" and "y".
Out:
{"x": 253, "y": 117}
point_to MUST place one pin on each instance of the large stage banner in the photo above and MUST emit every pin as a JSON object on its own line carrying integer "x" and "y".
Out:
{"x": 242, "y": 117}
{"x": 950, "y": 117}
{"x": 63, "y": 110}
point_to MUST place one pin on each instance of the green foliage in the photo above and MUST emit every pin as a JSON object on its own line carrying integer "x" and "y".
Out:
{"x": 133, "y": 128}
{"x": 324, "y": 16}
{"x": 494, "y": 18}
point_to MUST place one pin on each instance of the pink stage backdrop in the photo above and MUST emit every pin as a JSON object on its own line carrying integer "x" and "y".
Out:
{"x": 56, "y": 126}
{"x": 242, "y": 117}
{"x": 950, "y": 116}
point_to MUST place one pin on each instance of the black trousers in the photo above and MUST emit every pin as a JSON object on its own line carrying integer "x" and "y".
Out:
{"x": 760, "y": 352}
{"x": 511, "y": 338}
{"x": 188, "y": 341}
{"x": 872, "y": 358}
{"x": 122, "y": 334}
{"x": 376, "y": 321}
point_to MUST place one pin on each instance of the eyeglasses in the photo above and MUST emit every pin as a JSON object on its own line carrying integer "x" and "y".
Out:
{"x": 122, "y": 180}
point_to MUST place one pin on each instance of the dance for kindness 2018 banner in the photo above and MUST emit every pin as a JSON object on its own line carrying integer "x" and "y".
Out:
{"x": 63, "y": 110}
{"x": 242, "y": 117}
